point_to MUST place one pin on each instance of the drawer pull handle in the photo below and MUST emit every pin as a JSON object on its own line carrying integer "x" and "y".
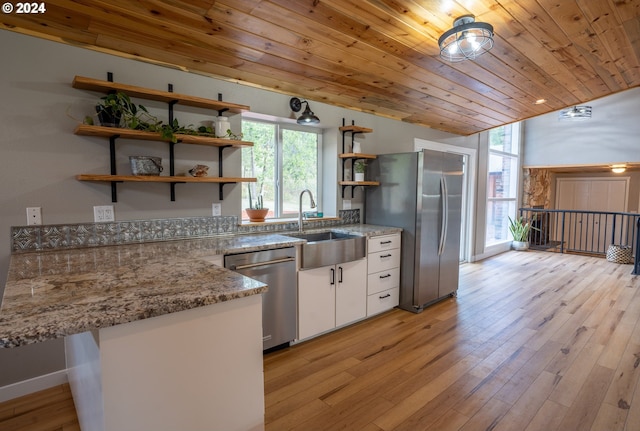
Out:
{"x": 384, "y": 255}
{"x": 385, "y": 242}
{"x": 385, "y": 296}
{"x": 385, "y": 276}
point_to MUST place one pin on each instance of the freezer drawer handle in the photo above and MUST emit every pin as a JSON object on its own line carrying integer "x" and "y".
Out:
{"x": 385, "y": 255}
{"x": 253, "y": 265}
{"x": 385, "y": 276}
{"x": 384, "y": 296}
{"x": 385, "y": 242}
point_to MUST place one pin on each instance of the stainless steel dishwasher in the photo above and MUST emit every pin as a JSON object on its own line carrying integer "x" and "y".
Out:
{"x": 276, "y": 268}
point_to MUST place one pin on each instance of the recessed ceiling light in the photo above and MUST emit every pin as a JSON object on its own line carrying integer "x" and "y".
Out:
{"x": 618, "y": 169}
{"x": 540, "y": 101}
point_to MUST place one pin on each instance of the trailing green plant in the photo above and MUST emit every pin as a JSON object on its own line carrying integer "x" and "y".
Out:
{"x": 123, "y": 112}
{"x": 359, "y": 166}
{"x": 520, "y": 229}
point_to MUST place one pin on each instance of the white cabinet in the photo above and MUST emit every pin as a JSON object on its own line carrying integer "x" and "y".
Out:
{"x": 331, "y": 296}
{"x": 383, "y": 275}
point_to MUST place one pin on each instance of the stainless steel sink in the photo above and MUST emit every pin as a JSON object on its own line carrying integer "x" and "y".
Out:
{"x": 329, "y": 248}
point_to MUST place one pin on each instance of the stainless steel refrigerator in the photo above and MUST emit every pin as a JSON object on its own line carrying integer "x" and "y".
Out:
{"x": 420, "y": 192}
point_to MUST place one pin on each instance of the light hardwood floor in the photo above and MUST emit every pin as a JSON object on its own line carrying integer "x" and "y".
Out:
{"x": 534, "y": 341}
{"x": 48, "y": 410}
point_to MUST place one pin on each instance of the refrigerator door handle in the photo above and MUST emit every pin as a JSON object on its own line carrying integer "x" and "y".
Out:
{"x": 444, "y": 195}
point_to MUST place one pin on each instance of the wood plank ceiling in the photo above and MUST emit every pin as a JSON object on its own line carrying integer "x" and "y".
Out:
{"x": 377, "y": 56}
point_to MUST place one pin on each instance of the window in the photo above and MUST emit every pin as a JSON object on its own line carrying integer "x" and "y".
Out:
{"x": 285, "y": 160}
{"x": 502, "y": 181}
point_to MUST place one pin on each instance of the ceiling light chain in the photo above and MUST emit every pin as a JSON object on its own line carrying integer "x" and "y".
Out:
{"x": 466, "y": 40}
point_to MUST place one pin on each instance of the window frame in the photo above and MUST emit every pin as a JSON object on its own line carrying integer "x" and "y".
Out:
{"x": 280, "y": 126}
{"x": 516, "y": 136}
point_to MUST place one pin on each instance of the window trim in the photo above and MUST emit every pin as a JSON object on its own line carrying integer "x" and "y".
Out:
{"x": 280, "y": 125}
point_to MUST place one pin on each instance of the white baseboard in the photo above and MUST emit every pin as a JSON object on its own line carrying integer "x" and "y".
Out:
{"x": 30, "y": 386}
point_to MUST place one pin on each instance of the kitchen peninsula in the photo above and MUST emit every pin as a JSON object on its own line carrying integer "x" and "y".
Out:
{"x": 157, "y": 336}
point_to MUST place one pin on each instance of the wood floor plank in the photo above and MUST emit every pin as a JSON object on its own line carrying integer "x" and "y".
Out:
{"x": 582, "y": 413}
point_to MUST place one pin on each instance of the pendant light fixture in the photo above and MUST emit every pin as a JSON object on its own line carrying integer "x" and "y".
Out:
{"x": 466, "y": 40}
{"x": 307, "y": 117}
{"x": 575, "y": 113}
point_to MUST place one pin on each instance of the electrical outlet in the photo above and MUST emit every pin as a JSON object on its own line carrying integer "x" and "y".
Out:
{"x": 216, "y": 209}
{"x": 34, "y": 216}
{"x": 346, "y": 204}
{"x": 103, "y": 213}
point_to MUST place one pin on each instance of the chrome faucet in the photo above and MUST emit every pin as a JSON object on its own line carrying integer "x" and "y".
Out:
{"x": 313, "y": 205}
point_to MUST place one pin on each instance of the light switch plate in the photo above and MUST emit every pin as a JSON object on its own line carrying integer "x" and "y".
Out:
{"x": 216, "y": 209}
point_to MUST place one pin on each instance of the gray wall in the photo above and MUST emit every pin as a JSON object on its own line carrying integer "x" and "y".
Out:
{"x": 610, "y": 136}
{"x": 40, "y": 155}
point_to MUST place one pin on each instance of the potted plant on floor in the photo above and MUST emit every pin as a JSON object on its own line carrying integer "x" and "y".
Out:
{"x": 256, "y": 212}
{"x": 520, "y": 229}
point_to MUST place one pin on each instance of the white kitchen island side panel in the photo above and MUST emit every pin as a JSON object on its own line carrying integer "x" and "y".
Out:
{"x": 199, "y": 369}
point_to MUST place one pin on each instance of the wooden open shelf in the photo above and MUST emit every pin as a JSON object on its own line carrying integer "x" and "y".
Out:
{"x": 91, "y": 84}
{"x": 357, "y": 156}
{"x": 108, "y": 132}
{"x": 359, "y": 183}
{"x": 161, "y": 179}
{"x": 355, "y": 129}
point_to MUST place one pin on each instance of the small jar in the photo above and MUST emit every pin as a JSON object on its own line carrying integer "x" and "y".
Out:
{"x": 222, "y": 125}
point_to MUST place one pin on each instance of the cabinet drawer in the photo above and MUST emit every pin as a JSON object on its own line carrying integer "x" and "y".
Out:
{"x": 383, "y": 280}
{"x": 382, "y": 301}
{"x": 384, "y": 242}
{"x": 384, "y": 260}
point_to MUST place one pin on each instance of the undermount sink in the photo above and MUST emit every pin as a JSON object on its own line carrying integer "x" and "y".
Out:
{"x": 329, "y": 248}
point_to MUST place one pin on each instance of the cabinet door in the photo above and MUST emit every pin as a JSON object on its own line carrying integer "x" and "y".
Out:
{"x": 316, "y": 301}
{"x": 351, "y": 291}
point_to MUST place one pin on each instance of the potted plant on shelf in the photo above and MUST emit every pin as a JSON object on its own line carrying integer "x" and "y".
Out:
{"x": 359, "y": 168}
{"x": 256, "y": 212}
{"x": 520, "y": 229}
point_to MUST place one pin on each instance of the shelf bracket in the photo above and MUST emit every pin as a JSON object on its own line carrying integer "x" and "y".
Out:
{"x": 173, "y": 189}
{"x": 112, "y": 163}
{"x": 221, "y": 186}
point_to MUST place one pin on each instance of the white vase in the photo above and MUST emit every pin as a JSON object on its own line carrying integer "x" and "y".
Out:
{"x": 359, "y": 176}
{"x": 356, "y": 147}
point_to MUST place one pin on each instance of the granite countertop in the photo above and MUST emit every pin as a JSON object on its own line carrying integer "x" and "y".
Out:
{"x": 57, "y": 293}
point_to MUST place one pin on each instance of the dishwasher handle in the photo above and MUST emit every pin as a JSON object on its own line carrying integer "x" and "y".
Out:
{"x": 268, "y": 262}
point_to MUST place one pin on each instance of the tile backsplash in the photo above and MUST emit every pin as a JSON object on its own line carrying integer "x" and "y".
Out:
{"x": 65, "y": 236}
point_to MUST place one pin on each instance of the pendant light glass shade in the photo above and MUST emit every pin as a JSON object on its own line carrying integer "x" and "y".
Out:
{"x": 466, "y": 40}
{"x": 307, "y": 117}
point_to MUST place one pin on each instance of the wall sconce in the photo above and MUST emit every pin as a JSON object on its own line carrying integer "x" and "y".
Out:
{"x": 618, "y": 169}
{"x": 466, "y": 40}
{"x": 307, "y": 117}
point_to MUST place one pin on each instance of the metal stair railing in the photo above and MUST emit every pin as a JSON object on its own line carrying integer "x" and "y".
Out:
{"x": 584, "y": 232}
